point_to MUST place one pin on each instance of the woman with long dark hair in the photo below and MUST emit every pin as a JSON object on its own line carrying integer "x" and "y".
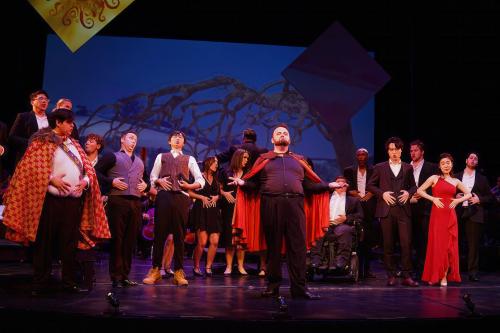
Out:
{"x": 441, "y": 261}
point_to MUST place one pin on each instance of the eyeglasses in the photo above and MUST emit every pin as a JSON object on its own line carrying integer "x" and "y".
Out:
{"x": 42, "y": 99}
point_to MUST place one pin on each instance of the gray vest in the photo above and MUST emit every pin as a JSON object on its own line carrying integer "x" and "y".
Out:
{"x": 131, "y": 172}
{"x": 174, "y": 168}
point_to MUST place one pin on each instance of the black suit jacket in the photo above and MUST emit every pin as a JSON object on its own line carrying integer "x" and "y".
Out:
{"x": 23, "y": 128}
{"x": 381, "y": 181}
{"x": 351, "y": 173}
{"x": 423, "y": 206}
{"x": 353, "y": 210}
{"x": 481, "y": 188}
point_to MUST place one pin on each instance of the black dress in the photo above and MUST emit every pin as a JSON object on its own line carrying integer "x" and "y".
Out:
{"x": 207, "y": 219}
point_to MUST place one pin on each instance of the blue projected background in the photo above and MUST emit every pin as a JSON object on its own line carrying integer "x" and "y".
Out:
{"x": 210, "y": 90}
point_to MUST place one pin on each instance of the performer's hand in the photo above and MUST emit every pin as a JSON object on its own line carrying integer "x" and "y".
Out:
{"x": 214, "y": 199}
{"x": 80, "y": 187}
{"x": 62, "y": 186}
{"x": 119, "y": 184}
{"x": 367, "y": 196}
{"x": 142, "y": 186}
{"x": 438, "y": 203}
{"x": 403, "y": 198}
{"x": 459, "y": 195}
{"x": 206, "y": 202}
{"x": 229, "y": 197}
{"x": 236, "y": 181}
{"x": 454, "y": 203}
{"x": 389, "y": 198}
{"x": 334, "y": 185}
{"x": 474, "y": 199}
{"x": 2, "y": 150}
{"x": 186, "y": 186}
{"x": 340, "y": 219}
{"x": 164, "y": 183}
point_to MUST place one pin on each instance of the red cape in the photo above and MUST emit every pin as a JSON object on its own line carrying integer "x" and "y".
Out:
{"x": 246, "y": 217}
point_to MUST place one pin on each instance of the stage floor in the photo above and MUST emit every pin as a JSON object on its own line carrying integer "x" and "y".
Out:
{"x": 237, "y": 298}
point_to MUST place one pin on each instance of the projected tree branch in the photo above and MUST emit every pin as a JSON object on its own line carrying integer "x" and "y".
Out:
{"x": 210, "y": 112}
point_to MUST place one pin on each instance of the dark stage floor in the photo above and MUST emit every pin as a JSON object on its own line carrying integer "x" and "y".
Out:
{"x": 230, "y": 302}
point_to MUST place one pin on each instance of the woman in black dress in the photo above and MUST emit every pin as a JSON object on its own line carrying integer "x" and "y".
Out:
{"x": 205, "y": 216}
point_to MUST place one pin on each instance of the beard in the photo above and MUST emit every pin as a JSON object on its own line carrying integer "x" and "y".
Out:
{"x": 282, "y": 142}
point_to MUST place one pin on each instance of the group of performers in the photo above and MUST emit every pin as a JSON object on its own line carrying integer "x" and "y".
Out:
{"x": 269, "y": 202}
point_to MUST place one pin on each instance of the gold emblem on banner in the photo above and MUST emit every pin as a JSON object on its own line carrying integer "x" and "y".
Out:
{"x": 76, "y": 21}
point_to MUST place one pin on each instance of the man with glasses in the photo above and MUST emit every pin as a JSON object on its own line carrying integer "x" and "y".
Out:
{"x": 27, "y": 123}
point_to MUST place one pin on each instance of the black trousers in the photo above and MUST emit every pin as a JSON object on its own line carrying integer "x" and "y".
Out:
{"x": 370, "y": 238}
{"x": 342, "y": 234}
{"x": 473, "y": 231}
{"x": 283, "y": 218}
{"x": 171, "y": 217}
{"x": 420, "y": 232}
{"x": 57, "y": 230}
{"x": 397, "y": 221}
{"x": 125, "y": 216}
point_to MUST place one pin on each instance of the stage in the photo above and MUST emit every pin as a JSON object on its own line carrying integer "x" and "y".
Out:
{"x": 234, "y": 303}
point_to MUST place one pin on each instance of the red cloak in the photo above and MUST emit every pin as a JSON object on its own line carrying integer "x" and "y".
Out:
{"x": 246, "y": 217}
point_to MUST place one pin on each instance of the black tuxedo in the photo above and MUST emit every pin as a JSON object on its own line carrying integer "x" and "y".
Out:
{"x": 420, "y": 213}
{"x": 473, "y": 217}
{"x": 396, "y": 217}
{"x": 23, "y": 128}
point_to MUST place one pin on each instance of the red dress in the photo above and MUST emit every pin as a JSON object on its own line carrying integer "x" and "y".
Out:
{"x": 442, "y": 246}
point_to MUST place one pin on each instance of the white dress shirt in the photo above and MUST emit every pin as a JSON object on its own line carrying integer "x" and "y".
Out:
{"x": 468, "y": 181}
{"x": 361, "y": 179}
{"x": 41, "y": 121}
{"x": 417, "y": 168}
{"x": 395, "y": 167}
{"x": 337, "y": 206}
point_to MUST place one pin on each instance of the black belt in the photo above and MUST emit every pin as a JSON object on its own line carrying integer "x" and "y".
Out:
{"x": 284, "y": 195}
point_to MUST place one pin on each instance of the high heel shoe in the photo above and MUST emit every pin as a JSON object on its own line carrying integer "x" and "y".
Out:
{"x": 262, "y": 273}
{"x": 444, "y": 282}
{"x": 242, "y": 271}
{"x": 228, "y": 271}
{"x": 197, "y": 272}
{"x": 208, "y": 271}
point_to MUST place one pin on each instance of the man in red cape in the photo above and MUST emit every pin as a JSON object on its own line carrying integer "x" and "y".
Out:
{"x": 272, "y": 193}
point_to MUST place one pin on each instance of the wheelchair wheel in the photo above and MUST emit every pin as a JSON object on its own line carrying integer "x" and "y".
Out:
{"x": 355, "y": 268}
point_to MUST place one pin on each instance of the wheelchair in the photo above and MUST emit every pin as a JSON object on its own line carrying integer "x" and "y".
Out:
{"x": 328, "y": 253}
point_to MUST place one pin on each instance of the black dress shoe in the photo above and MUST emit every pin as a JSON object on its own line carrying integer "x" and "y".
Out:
{"x": 409, "y": 282}
{"x": 306, "y": 295}
{"x": 271, "y": 292}
{"x": 128, "y": 283}
{"x": 391, "y": 281}
{"x": 473, "y": 278}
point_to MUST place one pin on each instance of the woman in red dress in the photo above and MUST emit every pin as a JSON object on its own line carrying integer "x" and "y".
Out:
{"x": 441, "y": 261}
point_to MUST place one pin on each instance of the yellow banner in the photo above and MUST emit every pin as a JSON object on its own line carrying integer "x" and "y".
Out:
{"x": 76, "y": 21}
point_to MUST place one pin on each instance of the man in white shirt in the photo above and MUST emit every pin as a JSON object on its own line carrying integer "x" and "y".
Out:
{"x": 393, "y": 184}
{"x": 472, "y": 213}
{"x": 170, "y": 175}
{"x": 344, "y": 211}
{"x": 420, "y": 208}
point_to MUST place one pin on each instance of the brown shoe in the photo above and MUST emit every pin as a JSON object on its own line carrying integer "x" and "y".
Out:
{"x": 153, "y": 276}
{"x": 180, "y": 278}
{"x": 391, "y": 281}
{"x": 409, "y": 282}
